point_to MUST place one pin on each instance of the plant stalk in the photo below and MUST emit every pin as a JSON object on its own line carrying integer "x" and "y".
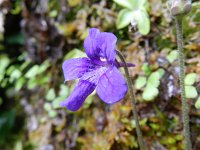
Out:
{"x": 185, "y": 109}
{"x": 132, "y": 97}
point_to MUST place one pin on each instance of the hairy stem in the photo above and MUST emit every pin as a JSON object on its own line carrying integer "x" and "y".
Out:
{"x": 132, "y": 97}
{"x": 185, "y": 110}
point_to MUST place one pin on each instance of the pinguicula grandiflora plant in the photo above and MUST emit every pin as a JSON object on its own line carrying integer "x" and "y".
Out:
{"x": 179, "y": 8}
{"x": 134, "y": 12}
{"x": 99, "y": 71}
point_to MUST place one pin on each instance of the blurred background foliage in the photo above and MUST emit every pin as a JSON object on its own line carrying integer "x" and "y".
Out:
{"x": 36, "y": 36}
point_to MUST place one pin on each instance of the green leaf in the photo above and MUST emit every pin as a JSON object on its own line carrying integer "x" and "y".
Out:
{"x": 190, "y": 78}
{"x": 56, "y": 102}
{"x": 141, "y": 3}
{"x": 32, "y": 83}
{"x": 154, "y": 79}
{"x": 197, "y": 104}
{"x": 47, "y": 106}
{"x": 51, "y": 95}
{"x": 124, "y": 18}
{"x": 190, "y": 92}
{"x": 52, "y": 113}
{"x": 16, "y": 74}
{"x": 75, "y": 53}
{"x": 64, "y": 90}
{"x": 43, "y": 67}
{"x": 130, "y": 4}
{"x": 32, "y": 72}
{"x": 150, "y": 93}
{"x": 172, "y": 56}
{"x": 140, "y": 82}
{"x": 146, "y": 69}
{"x": 19, "y": 83}
{"x": 53, "y": 13}
{"x": 4, "y": 61}
{"x": 143, "y": 22}
{"x": 161, "y": 72}
{"x": 18, "y": 145}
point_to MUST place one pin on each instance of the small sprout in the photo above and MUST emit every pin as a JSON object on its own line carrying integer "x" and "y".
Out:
{"x": 190, "y": 91}
{"x": 190, "y": 78}
{"x": 140, "y": 82}
{"x": 197, "y": 104}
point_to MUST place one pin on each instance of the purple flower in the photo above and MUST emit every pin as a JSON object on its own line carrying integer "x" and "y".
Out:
{"x": 99, "y": 71}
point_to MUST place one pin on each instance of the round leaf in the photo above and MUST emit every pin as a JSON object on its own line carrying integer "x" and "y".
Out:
{"x": 153, "y": 79}
{"x": 47, "y": 107}
{"x": 190, "y": 78}
{"x": 140, "y": 82}
{"x": 150, "y": 93}
{"x": 172, "y": 56}
{"x": 191, "y": 92}
{"x": 51, "y": 95}
{"x": 161, "y": 72}
{"x": 197, "y": 104}
{"x": 52, "y": 113}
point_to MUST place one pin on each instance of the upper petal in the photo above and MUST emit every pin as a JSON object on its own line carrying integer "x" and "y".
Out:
{"x": 106, "y": 42}
{"x": 90, "y": 44}
{"x": 78, "y": 95}
{"x": 112, "y": 86}
{"x": 75, "y": 68}
{"x": 100, "y": 45}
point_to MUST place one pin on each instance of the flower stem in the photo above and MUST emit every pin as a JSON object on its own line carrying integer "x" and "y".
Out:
{"x": 185, "y": 110}
{"x": 132, "y": 97}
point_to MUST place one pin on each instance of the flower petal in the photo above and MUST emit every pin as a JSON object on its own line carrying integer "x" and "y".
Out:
{"x": 82, "y": 90}
{"x": 90, "y": 44}
{"x": 106, "y": 42}
{"x": 112, "y": 86}
{"x": 93, "y": 76}
{"x": 100, "y": 45}
{"x": 76, "y": 67}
